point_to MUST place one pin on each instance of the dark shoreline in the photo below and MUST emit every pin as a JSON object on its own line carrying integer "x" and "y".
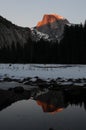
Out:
{"x": 48, "y": 83}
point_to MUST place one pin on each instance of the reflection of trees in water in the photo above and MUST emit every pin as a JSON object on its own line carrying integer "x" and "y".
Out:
{"x": 76, "y": 97}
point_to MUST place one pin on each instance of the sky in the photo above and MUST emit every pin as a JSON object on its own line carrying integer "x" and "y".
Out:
{"x": 27, "y": 13}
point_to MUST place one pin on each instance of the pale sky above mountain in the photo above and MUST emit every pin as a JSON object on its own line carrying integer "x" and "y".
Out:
{"x": 29, "y": 12}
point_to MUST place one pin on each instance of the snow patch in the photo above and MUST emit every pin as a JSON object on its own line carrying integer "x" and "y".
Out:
{"x": 44, "y": 71}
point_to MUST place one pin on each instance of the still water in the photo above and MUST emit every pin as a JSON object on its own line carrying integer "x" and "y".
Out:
{"x": 45, "y": 110}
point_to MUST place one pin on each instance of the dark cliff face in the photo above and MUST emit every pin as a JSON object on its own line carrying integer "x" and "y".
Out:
{"x": 10, "y": 33}
{"x": 53, "y": 25}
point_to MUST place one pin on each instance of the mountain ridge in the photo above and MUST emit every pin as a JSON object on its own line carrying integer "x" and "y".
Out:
{"x": 51, "y": 30}
{"x": 11, "y": 33}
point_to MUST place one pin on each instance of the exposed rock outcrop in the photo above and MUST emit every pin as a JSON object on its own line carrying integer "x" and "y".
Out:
{"x": 52, "y": 25}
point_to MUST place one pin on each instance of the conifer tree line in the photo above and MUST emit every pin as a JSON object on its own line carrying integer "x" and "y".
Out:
{"x": 70, "y": 50}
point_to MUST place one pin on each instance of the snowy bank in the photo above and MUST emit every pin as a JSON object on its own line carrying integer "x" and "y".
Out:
{"x": 28, "y": 74}
{"x": 20, "y": 71}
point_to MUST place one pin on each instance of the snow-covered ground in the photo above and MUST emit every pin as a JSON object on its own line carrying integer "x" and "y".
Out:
{"x": 44, "y": 71}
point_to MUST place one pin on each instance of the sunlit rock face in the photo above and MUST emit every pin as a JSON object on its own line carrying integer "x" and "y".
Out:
{"x": 49, "y": 18}
{"x": 52, "y": 25}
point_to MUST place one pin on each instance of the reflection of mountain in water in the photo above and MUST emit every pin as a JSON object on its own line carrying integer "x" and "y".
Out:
{"x": 50, "y": 100}
{"x": 53, "y": 101}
